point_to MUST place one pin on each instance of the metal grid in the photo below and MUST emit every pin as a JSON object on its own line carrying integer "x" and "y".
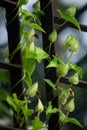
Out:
{"x": 15, "y": 66}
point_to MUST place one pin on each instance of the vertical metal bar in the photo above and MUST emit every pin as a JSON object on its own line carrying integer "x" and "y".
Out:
{"x": 47, "y": 24}
{"x": 13, "y": 29}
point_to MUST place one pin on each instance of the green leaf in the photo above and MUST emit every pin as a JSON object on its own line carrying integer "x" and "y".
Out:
{"x": 35, "y": 26}
{"x": 31, "y": 91}
{"x": 29, "y": 66}
{"x": 68, "y": 17}
{"x": 38, "y": 14}
{"x": 74, "y": 121}
{"x": 55, "y": 62}
{"x": 53, "y": 36}
{"x": 65, "y": 92}
{"x": 62, "y": 117}
{"x": 70, "y": 105}
{"x": 50, "y": 109}
{"x": 31, "y": 34}
{"x": 25, "y": 15}
{"x": 41, "y": 54}
{"x": 51, "y": 84}
{"x": 77, "y": 69}
{"x": 4, "y": 76}
{"x": 30, "y": 55}
{"x": 26, "y": 111}
{"x": 22, "y": 2}
{"x": 3, "y": 94}
{"x": 28, "y": 80}
{"x": 71, "y": 43}
{"x": 36, "y": 5}
{"x": 11, "y": 102}
{"x": 37, "y": 124}
{"x": 72, "y": 10}
{"x": 19, "y": 103}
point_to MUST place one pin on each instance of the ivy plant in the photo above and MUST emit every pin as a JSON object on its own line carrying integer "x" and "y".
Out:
{"x": 66, "y": 95}
{"x": 31, "y": 54}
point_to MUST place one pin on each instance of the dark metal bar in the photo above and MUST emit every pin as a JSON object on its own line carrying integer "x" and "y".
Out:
{"x": 81, "y": 10}
{"x": 9, "y": 66}
{"x": 13, "y": 39}
{"x": 8, "y": 128}
{"x": 68, "y": 24}
{"x": 83, "y": 27}
{"x": 81, "y": 84}
{"x": 13, "y": 29}
{"x": 9, "y": 1}
{"x": 47, "y": 24}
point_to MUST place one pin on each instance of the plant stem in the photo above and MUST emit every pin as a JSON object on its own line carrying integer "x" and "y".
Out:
{"x": 69, "y": 57}
{"x": 58, "y": 80}
{"x": 10, "y": 1}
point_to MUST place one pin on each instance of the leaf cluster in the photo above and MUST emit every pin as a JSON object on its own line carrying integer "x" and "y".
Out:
{"x": 31, "y": 54}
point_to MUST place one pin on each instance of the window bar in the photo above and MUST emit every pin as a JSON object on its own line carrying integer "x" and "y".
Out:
{"x": 13, "y": 29}
{"x": 10, "y": 1}
{"x": 9, "y": 66}
{"x": 82, "y": 26}
{"x": 81, "y": 84}
{"x": 47, "y": 24}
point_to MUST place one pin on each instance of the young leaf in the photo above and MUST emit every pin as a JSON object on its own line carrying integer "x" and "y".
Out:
{"x": 51, "y": 84}
{"x": 53, "y": 36}
{"x": 39, "y": 107}
{"x": 29, "y": 66}
{"x": 70, "y": 106}
{"x": 31, "y": 91}
{"x": 22, "y": 2}
{"x": 11, "y": 102}
{"x": 55, "y": 62}
{"x": 41, "y": 54}
{"x": 25, "y": 15}
{"x": 50, "y": 109}
{"x": 19, "y": 103}
{"x": 64, "y": 95}
{"x": 72, "y": 10}
{"x": 77, "y": 69}
{"x": 62, "y": 70}
{"x": 31, "y": 34}
{"x": 36, "y": 5}
{"x": 37, "y": 124}
{"x": 74, "y": 121}
{"x": 26, "y": 111}
{"x": 62, "y": 118}
{"x": 68, "y": 17}
{"x": 74, "y": 79}
{"x": 72, "y": 44}
{"x": 28, "y": 80}
{"x": 36, "y": 26}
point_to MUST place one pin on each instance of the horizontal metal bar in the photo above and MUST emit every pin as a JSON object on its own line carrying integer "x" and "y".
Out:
{"x": 83, "y": 27}
{"x": 61, "y": 26}
{"x": 10, "y": 1}
{"x": 9, "y": 128}
{"x": 9, "y": 66}
{"x": 81, "y": 84}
